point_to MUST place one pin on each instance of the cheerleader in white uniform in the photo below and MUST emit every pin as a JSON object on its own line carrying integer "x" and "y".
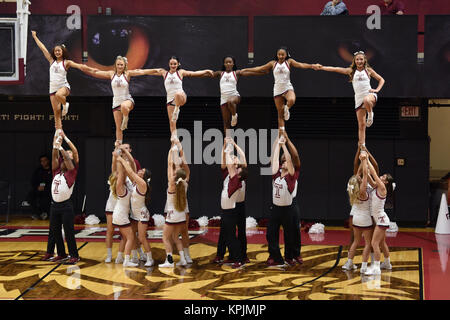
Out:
{"x": 140, "y": 199}
{"x": 59, "y": 87}
{"x": 229, "y": 95}
{"x": 173, "y": 82}
{"x": 120, "y": 217}
{"x": 177, "y": 209}
{"x": 123, "y": 102}
{"x": 360, "y": 74}
{"x": 362, "y": 221}
{"x": 283, "y": 91}
{"x": 384, "y": 188}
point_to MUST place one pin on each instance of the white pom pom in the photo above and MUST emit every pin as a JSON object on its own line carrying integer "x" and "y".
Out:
{"x": 203, "y": 221}
{"x": 250, "y": 222}
{"x": 216, "y": 217}
{"x": 159, "y": 220}
{"x": 317, "y": 228}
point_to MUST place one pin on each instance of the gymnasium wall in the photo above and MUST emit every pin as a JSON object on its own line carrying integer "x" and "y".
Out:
{"x": 324, "y": 131}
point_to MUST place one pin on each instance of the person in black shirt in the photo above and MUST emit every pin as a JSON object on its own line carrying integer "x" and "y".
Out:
{"x": 39, "y": 195}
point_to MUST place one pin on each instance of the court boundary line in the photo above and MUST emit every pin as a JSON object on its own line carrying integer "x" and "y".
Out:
{"x": 338, "y": 258}
{"x": 45, "y": 275}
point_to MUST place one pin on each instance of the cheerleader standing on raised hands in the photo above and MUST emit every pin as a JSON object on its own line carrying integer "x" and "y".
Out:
{"x": 360, "y": 73}
{"x": 173, "y": 82}
{"x": 283, "y": 91}
{"x": 59, "y": 87}
{"x": 229, "y": 95}
{"x": 123, "y": 102}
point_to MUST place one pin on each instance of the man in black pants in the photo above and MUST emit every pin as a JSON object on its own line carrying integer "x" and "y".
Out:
{"x": 61, "y": 209}
{"x": 234, "y": 174}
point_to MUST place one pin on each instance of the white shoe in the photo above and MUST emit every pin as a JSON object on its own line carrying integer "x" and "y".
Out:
{"x": 386, "y": 265}
{"x": 119, "y": 260}
{"x": 166, "y": 264}
{"x": 182, "y": 262}
{"x": 130, "y": 264}
{"x": 363, "y": 270}
{"x": 149, "y": 263}
{"x": 124, "y": 125}
{"x": 108, "y": 259}
{"x": 65, "y": 109}
{"x": 349, "y": 266}
{"x": 287, "y": 114}
{"x": 175, "y": 113}
{"x": 369, "y": 121}
{"x": 372, "y": 271}
{"x": 143, "y": 257}
{"x": 234, "y": 120}
{"x": 135, "y": 260}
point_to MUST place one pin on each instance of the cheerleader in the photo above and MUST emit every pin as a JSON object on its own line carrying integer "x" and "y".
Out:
{"x": 233, "y": 206}
{"x": 59, "y": 87}
{"x": 120, "y": 216}
{"x": 384, "y": 187}
{"x": 360, "y": 74}
{"x": 140, "y": 200}
{"x": 173, "y": 82}
{"x": 229, "y": 95}
{"x": 283, "y": 91}
{"x": 61, "y": 210}
{"x": 283, "y": 212}
{"x": 123, "y": 102}
{"x": 176, "y": 207}
{"x": 362, "y": 222}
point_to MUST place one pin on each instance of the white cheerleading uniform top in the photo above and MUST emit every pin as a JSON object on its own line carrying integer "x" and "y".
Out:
{"x": 139, "y": 211}
{"x": 228, "y": 86}
{"x": 377, "y": 209}
{"x": 369, "y": 190}
{"x": 284, "y": 189}
{"x": 58, "y": 76}
{"x": 361, "y": 86}
{"x": 121, "y": 212}
{"x": 282, "y": 76}
{"x": 62, "y": 184}
{"x": 120, "y": 88}
{"x": 174, "y": 216}
{"x": 231, "y": 190}
{"x": 173, "y": 84}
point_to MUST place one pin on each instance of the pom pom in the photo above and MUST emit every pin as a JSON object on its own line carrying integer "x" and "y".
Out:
{"x": 317, "y": 228}
{"x": 250, "y": 222}
{"x": 92, "y": 219}
{"x": 202, "y": 221}
{"x": 159, "y": 220}
{"x": 79, "y": 219}
{"x": 214, "y": 222}
{"x": 193, "y": 224}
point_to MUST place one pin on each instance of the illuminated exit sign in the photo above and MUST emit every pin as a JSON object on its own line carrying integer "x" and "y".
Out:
{"x": 410, "y": 112}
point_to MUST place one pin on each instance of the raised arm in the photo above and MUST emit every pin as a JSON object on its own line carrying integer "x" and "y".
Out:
{"x": 41, "y": 46}
{"x": 303, "y": 65}
{"x": 276, "y": 156}
{"x": 134, "y": 177}
{"x": 380, "y": 184}
{"x": 200, "y": 73}
{"x": 241, "y": 154}
{"x": 67, "y": 161}
{"x": 261, "y": 69}
{"x": 377, "y": 77}
{"x": 288, "y": 157}
{"x": 129, "y": 157}
{"x": 55, "y": 152}
{"x": 293, "y": 151}
{"x": 247, "y": 72}
{"x": 72, "y": 64}
{"x": 147, "y": 72}
{"x": 363, "y": 185}
{"x": 72, "y": 147}
{"x": 229, "y": 162}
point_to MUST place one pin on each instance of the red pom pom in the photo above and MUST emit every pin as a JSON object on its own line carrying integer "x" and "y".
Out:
{"x": 214, "y": 223}
{"x": 193, "y": 224}
{"x": 263, "y": 222}
{"x": 79, "y": 219}
{"x": 151, "y": 222}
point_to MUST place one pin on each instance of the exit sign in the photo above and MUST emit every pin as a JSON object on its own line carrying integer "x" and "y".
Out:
{"x": 410, "y": 112}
